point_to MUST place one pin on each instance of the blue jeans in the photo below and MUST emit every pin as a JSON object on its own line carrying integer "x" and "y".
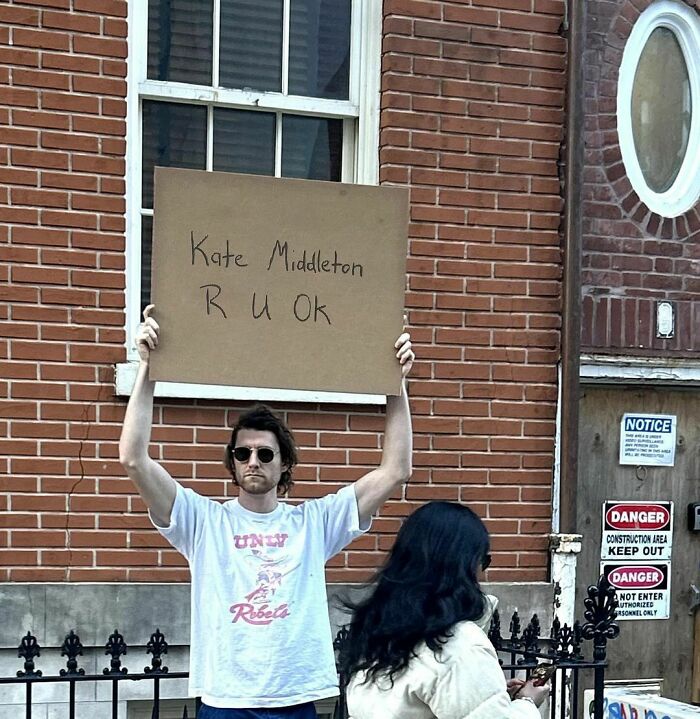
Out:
{"x": 299, "y": 711}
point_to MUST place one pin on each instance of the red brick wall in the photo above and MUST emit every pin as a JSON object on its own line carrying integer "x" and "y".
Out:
{"x": 472, "y": 120}
{"x": 632, "y": 257}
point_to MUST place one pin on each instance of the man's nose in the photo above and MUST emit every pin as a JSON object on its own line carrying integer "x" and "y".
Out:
{"x": 253, "y": 459}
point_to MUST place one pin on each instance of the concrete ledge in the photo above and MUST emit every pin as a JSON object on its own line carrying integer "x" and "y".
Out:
{"x": 94, "y": 611}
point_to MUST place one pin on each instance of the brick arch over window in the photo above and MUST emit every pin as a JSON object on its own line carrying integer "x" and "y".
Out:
{"x": 634, "y": 207}
{"x": 632, "y": 257}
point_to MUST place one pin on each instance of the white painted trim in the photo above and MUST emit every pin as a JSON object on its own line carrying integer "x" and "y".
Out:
{"x": 216, "y": 43}
{"x": 136, "y": 72}
{"x": 348, "y": 159}
{"x": 286, "y": 32}
{"x": 556, "y": 475}
{"x": 368, "y": 87}
{"x": 684, "y": 22}
{"x": 604, "y": 369}
{"x": 209, "y": 149}
{"x": 125, "y": 375}
{"x": 564, "y": 549}
{"x": 246, "y": 99}
{"x": 278, "y": 144}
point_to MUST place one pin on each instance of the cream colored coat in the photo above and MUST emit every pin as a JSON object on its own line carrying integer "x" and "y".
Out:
{"x": 465, "y": 682}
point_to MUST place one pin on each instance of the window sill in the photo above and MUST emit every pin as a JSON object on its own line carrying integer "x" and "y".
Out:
{"x": 125, "y": 375}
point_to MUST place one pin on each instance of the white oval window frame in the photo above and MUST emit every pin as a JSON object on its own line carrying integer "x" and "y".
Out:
{"x": 684, "y": 22}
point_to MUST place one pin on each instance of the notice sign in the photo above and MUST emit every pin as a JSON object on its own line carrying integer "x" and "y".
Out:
{"x": 278, "y": 283}
{"x": 637, "y": 531}
{"x": 648, "y": 439}
{"x": 643, "y": 590}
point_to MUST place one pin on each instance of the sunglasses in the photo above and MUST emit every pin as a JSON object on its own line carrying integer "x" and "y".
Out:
{"x": 265, "y": 454}
{"x": 486, "y": 562}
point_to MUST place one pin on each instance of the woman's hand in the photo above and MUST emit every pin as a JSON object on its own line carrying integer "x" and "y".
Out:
{"x": 514, "y": 686}
{"x": 537, "y": 693}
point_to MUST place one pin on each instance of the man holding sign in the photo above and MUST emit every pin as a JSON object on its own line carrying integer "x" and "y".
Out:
{"x": 260, "y": 634}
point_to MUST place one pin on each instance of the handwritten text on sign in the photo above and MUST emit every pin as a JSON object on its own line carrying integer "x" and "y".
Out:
{"x": 284, "y": 259}
{"x": 264, "y": 282}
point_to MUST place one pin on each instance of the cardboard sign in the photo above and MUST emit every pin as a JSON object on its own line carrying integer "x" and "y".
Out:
{"x": 648, "y": 440}
{"x": 643, "y": 590}
{"x": 637, "y": 531}
{"x": 264, "y": 282}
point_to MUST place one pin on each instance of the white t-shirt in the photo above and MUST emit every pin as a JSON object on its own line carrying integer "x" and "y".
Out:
{"x": 260, "y": 631}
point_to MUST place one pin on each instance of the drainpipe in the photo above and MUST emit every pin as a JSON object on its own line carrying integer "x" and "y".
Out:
{"x": 571, "y": 288}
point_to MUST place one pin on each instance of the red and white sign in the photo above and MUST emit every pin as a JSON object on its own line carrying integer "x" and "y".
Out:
{"x": 637, "y": 516}
{"x": 637, "y": 531}
{"x": 643, "y": 590}
{"x": 636, "y": 576}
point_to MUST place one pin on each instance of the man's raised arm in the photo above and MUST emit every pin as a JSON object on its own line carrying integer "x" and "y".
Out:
{"x": 395, "y": 469}
{"x": 156, "y": 487}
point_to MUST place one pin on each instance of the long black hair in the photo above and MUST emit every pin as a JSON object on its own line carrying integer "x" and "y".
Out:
{"x": 428, "y": 584}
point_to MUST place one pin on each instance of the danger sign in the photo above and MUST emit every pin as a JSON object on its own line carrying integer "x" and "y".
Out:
{"x": 638, "y": 531}
{"x": 643, "y": 590}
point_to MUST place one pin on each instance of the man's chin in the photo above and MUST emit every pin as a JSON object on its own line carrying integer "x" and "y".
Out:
{"x": 255, "y": 487}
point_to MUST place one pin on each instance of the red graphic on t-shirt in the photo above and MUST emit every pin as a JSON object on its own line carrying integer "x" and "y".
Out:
{"x": 270, "y": 573}
{"x": 251, "y": 614}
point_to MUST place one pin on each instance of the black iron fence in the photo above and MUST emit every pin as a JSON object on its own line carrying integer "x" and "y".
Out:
{"x": 577, "y": 652}
{"x": 566, "y": 648}
{"x": 520, "y": 652}
{"x": 115, "y": 673}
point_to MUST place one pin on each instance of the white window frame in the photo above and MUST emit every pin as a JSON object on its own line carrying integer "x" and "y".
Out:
{"x": 684, "y": 22}
{"x": 360, "y": 114}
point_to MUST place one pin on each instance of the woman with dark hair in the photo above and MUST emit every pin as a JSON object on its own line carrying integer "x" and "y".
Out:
{"x": 417, "y": 647}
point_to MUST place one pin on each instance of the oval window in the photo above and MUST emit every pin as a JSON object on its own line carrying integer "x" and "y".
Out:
{"x": 661, "y": 109}
{"x": 658, "y": 126}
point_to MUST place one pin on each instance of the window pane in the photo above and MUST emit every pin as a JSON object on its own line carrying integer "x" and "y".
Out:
{"x": 319, "y": 48}
{"x": 173, "y": 136}
{"x": 146, "y": 247}
{"x": 250, "y": 53}
{"x": 661, "y": 109}
{"x": 180, "y": 40}
{"x": 312, "y": 148}
{"x": 244, "y": 141}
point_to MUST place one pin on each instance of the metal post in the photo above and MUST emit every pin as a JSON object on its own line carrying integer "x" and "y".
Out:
{"x": 599, "y": 690}
{"x": 115, "y": 698}
{"x": 156, "y": 698}
{"x": 574, "y": 693}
